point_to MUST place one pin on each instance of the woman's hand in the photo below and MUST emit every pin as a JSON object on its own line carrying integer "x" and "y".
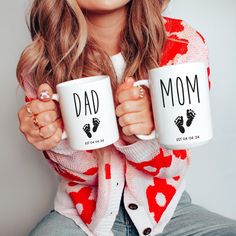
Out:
{"x": 134, "y": 112}
{"x": 40, "y": 120}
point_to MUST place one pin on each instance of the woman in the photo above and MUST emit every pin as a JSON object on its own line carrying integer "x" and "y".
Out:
{"x": 132, "y": 187}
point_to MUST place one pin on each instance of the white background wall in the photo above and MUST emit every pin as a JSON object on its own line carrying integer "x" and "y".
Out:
{"x": 28, "y": 185}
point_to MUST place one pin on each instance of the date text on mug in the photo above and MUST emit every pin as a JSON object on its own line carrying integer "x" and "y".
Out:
{"x": 94, "y": 141}
{"x": 180, "y": 139}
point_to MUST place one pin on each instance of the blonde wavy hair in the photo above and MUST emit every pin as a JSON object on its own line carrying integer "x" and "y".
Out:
{"x": 62, "y": 49}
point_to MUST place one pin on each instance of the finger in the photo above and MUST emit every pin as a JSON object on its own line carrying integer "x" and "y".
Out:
{"x": 46, "y": 118}
{"x": 26, "y": 123}
{"x": 131, "y": 93}
{"x": 24, "y": 112}
{"x": 131, "y": 118}
{"x": 129, "y": 139}
{"x": 38, "y": 106}
{"x": 33, "y": 137}
{"x": 31, "y": 134}
{"x": 44, "y": 92}
{"x": 37, "y": 135}
{"x": 51, "y": 142}
{"x": 50, "y": 130}
{"x": 130, "y": 106}
{"x": 139, "y": 128}
{"x": 125, "y": 85}
{"x": 30, "y": 130}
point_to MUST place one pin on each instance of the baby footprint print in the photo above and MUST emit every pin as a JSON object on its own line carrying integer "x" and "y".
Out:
{"x": 190, "y": 115}
{"x": 96, "y": 123}
{"x": 179, "y": 121}
{"x": 86, "y": 129}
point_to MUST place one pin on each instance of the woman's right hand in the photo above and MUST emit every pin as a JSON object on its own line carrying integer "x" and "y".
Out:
{"x": 40, "y": 120}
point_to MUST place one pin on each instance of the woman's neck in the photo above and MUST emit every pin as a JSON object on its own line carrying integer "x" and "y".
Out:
{"x": 106, "y": 28}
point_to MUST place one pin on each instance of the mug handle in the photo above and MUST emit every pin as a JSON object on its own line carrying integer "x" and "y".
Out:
{"x": 153, "y": 134}
{"x": 55, "y": 97}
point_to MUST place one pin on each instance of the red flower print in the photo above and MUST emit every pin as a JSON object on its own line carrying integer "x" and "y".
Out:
{"x": 173, "y": 46}
{"x": 155, "y": 164}
{"x": 108, "y": 171}
{"x": 159, "y": 196}
{"x": 87, "y": 206}
{"x": 203, "y": 39}
{"x": 71, "y": 183}
{"x": 182, "y": 154}
{"x": 89, "y": 151}
{"x": 91, "y": 171}
{"x": 208, "y": 73}
{"x": 173, "y": 25}
{"x": 176, "y": 178}
{"x": 125, "y": 167}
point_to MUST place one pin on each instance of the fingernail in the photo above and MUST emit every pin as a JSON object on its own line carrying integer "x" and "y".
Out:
{"x": 44, "y": 95}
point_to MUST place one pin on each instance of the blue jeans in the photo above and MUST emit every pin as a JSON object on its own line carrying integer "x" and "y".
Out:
{"x": 188, "y": 219}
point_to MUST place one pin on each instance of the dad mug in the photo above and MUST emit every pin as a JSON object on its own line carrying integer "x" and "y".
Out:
{"x": 181, "y": 105}
{"x": 88, "y": 112}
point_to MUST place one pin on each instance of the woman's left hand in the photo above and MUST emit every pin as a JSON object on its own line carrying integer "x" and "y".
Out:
{"x": 134, "y": 112}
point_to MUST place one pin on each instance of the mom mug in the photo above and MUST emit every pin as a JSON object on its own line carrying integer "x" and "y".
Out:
{"x": 88, "y": 112}
{"x": 181, "y": 105}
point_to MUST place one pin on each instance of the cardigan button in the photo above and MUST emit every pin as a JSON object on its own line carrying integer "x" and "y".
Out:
{"x": 133, "y": 206}
{"x": 147, "y": 231}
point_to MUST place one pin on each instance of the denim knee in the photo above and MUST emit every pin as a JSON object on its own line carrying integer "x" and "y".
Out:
{"x": 224, "y": 231}
{"x": 55, "y": 224}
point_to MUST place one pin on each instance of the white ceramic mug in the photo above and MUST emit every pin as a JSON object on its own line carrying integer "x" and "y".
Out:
{"x": 181, "y": 105}
{"x": 88, "y": 112}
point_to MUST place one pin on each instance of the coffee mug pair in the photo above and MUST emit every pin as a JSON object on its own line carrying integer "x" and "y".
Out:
{"x": 180, "y": 102}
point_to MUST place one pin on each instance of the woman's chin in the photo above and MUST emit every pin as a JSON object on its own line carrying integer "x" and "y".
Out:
{"x": 102, "y": 6}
